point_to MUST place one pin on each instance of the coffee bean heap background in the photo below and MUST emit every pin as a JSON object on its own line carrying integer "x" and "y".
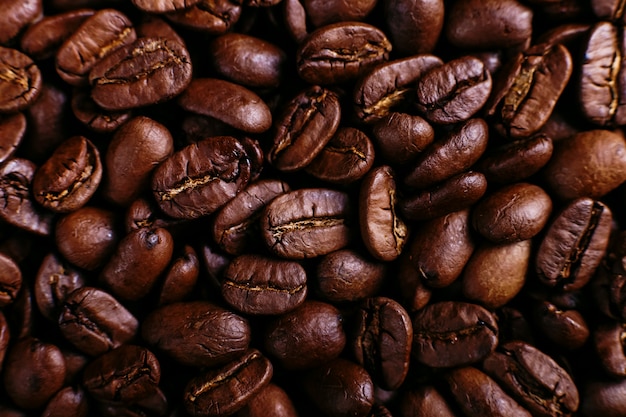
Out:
{"x": 312, "y": 208}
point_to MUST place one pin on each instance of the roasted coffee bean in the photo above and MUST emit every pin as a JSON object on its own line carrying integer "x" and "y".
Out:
{"x": 514, "y": 213}
{"x": 235, "y": 224}
{"x": 18, "y": 206}
{"x": 453, "y": 154}
{"x": 382, "y": 341}
{"x": 180, "y": 277}
{"x": 33, "y": 372}
{"x": 271, "y": 400}
{"x": 98, "y": 36}
{"x": 20, "y": 80}
{"x": 341, "y": 52}
{"x": 211, "y": 16}
{"x": 345, "y": 275}
{"x": 247, "y": 60}
{"x": 197, "y": 333}
{"x": 608, "y": 341}
{"x": 228, "y": 102}
{"x": 432, "y": 244}
{"x": 126, "y": 374}
{"x": 223, "y": 391}
{"x": 401, "y": 136}
{"x": 390, "y": 85}
{"x": 87, "y": 237}
{"x": 42, "y": 39}
{"x": 425, "y": 400}
{"x": 414, "y": 25}
{"x": 479, "y": 395}
{"x": 16, "y": 16}
{"x": 200, "y": 178}
{"x": 589, "y": 164}
{"x": 145, "y": 72}
{"x": 565, "y": 328}
{"x": 135, "y": 150}
{"x": 306, "y": 124}
{"x": 54, "y": 283}
{"x": 488, "y": 24}
{"x": 95, "y": 322}
{"x": 340, "y": 388}
{"x": 604, "y": 397}
{"x": 526, "y": 91}
{"x": 451, "y": 333}
{"x": 95, "y": 117}
{"x": 153, "y": 26}
{"x": 12, "y": 130}
{"x": 306, "y": 337}
{"x": 382, "y": 230}
{"x": 69, "y": 401}
{"x": 70, "y": 177}
{"x": 254, "y": 284}
{"x": 321, "y": 13}
{"x": 10, "y": 280}
{"x": 534, "y": 379}
{"x": 347, "y": 157}
{"x": 306, "y": 223}
{"x": 574, "y": 244}
{"x": 454, "y": 91}
{"x": 163, "y": 6}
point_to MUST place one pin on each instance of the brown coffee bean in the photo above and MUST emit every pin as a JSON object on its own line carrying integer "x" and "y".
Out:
{"x": 197, "y": 333}
{"x": 95, "y": 117}
{"x": 211, "y": 16}
{"x": 417, "y": 31}
{"x": 451, "y": 333}
{"x": 69, "y": 401}
{"x": 271, "y": 400}
{"x": 223, "y": 391}
{"x": 180, "y": 277}
{"x": 341, "y": 52}
{"x": 10, "y": 280}
{"x": 144, "y": 72}
{"x": 153, "y": 26}
{"x": 323, "y": 12}
{"x": 163, "y": 6}
{"x": 16, "y": 16}
{"x": 565, "y": 328}
{"x": 306, "y": 337}
{"x": 608, "y": 341}
{"x": 401, "y": 137}
{"x": 427, "y": 401}
{"x": 20, "y": 80}
{"x": 306, "y": 223}
{"x": 12, "y": 130}
{"x": 55, "y": 281}
{"x": 603, "y": 397}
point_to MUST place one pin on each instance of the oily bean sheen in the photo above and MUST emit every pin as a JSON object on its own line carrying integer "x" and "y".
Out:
{"x": 223, "y": 391}
{"x": 257, "y": 285}
{"x": 527, "y": 90}
{"x": 535, "y": 380}
{"x": 341, "y": 52}
{"x": 449, "y": 333}
{"x": 67, "y": 180}
{"x": 382, "y": 230}
{"x": 228, "y": 102}
{"x": 382, "y": 345}
{"x": 147, "y": 71}
{"x": 20, "y": 80}
{"x": 200, "y": 178}
{"x": 454, "y": 91}
{"x": 513, "y": 213}
{"x": 306, "y": 124}
{"x": 401, "y": 137}
{"x": 197, "y": 333}
{"x": 306, "y": 223}
{"x": 574, "y": 244}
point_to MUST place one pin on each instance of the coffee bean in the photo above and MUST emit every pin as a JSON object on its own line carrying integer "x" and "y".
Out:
{"x": 69, "y": 401}
{"x": 20, "y": 81}
{"x": 427, "y": 400}
{"x": 163, "y": 6}
{"x": 95, "y": 117}
{"x": 211, "y": 16}
{"x": 608, "y": 341}
{"x": 55, "y": 281}
{"x": 416, "y": 32}
{"x": 401, "y": 136}
{"x": 565, "y": 328}
{"x": 271, "y": 399}
{"x": 180, "y": 278}
{"x": 12, "y": 130}
{"x": 17, "y": 15}
{"x": 10, "y": 280}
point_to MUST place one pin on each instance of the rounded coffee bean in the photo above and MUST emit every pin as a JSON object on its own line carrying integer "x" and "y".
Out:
{"x": 126, "y": 374}
{"x": 567, "y": 329}
{"x": 306, "y": 124}
{"x": 16, "y": 16}
{"x": 345, "y": 275}
{"x": 306, "y": 337}
{"x": 382, "y": 341}
{"x": 140, "y": 257}
{"x": 340, "y": 388}
{"x": 426, "y": 400}
{"x": 10, "y": 280}
{"x": 20, "y": 83}
{"x": 271, "y": 400}
{"x": 180, "y": 278}
{"x": 223, "y": 391}
{"x": 69, "y": 401}
{"x": 87, "y": 237}
{"x": 589, "y": 164}
{"x": 432, "y": 243}
{"x": 534, "y": 379}
{"x": 401, "y": 136}
{"x": 454, "y": 91}
{"x": 202, "y": 177}
{"x": 323, "y": 12}
{"x": 95, "y": 322}
{"x": 55, "y": 281}
{"x": 451, "y": 333}
{"x": 135, "y": 150}
{"x": 211, "y": 16}
{"x": 414, "y": 25}
{"x": 574, "y": 244}
{"x": 306, "y": 223}
{"x": 70, "y": 177}
{"x": 254, "y": 284}
{"x": 382, "y": 230}
{"x": 197, "y": 333}
{"x": 98, "y": 36}
{"x": 33, "y": 372}
{"x": 341, "y": 52}
{"x": 514, "y": 213}
{"x": 604, "y": 398}
{"x": 228, "y": 102}
{"x": 145, "y": 72}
